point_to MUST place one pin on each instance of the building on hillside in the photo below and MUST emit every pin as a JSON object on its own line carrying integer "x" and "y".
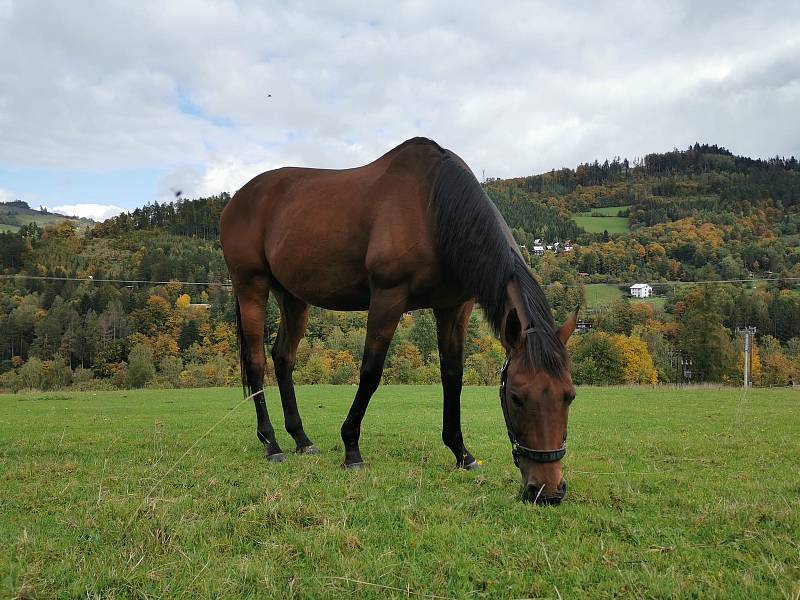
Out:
{"x": 568, "y": 246}
{"x": 641, "y": 290}
{"x": 538, "y": 250}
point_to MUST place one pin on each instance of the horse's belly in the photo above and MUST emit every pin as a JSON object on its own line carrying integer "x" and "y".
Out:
{"x": 330, "y": 285}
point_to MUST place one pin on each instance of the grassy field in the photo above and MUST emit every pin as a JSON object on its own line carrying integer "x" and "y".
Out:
{"x": 611, "y": 223}
{"x": 673, "y": 493}
{"x": 598, "y": 294}
{"x": 7, "y": 227}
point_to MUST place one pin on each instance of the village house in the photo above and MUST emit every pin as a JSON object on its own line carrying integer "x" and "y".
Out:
{"x": 641, "y": 290}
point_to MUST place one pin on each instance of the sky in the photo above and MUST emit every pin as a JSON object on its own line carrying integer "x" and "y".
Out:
{"x": 106, "y": 106}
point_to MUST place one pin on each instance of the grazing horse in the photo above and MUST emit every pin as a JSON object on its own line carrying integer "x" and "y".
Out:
{"x": 413, "y": 229}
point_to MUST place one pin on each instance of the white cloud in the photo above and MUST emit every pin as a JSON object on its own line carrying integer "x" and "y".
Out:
{"x": 97, "y": 212}
{"x": 7, "y": 196}
{"x": 515, "y": 89}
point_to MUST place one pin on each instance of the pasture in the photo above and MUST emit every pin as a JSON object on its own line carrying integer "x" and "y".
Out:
{"x": 609, "y": 221}
{"x": 691, "y": 492}
{"x": 599, "y": 294}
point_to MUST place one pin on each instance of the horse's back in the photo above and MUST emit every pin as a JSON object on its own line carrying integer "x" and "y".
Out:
{"x": 327, "y": 235}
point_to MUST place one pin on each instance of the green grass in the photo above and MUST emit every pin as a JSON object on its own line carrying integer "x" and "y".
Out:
{"x": 611, "y": 223}
{"x": 614, "y": 225}
{"x": 7, "y": 227}
{"x": 673, "y": 493}
{"x": 656, "y": 301}
{"x": 598, "y": 294}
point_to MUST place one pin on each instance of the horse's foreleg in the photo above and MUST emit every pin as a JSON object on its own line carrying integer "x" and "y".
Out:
{"x": 294, "y": 318}
{"x": 252, "y": 298}
{"x": 385, "y": 309}
{"x": 451, "y": 331}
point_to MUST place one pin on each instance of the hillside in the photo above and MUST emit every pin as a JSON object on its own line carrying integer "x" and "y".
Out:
{"x": 16, "y": 214}
{"x": 695, "y": 215}
{"x": 701, "y": 213}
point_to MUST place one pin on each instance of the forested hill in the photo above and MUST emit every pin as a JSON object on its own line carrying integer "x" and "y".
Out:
{"x": 681, "y": 215}
{"x": 701, "y": 214}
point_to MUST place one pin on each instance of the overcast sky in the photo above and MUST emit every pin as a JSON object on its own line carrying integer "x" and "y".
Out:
{"x": 115, "y": 104}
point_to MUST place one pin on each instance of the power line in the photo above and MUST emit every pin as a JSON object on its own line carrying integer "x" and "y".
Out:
{"x": 678, "y": 283}
{"x": 126, "y": 281}
{"x": 227, "y": 283}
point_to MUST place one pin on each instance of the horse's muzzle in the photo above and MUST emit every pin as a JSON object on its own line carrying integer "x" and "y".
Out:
{"x": 536, "y": 494}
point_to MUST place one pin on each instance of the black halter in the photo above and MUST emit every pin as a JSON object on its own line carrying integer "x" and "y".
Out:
{"x": 517, "y": 450}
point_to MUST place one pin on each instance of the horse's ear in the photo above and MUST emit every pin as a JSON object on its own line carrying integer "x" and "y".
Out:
{"x": 511, "y": 332}
{"x": 568, "y": 328}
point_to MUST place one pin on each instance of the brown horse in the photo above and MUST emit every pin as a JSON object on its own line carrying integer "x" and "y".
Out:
{"x": 413, "y": 229}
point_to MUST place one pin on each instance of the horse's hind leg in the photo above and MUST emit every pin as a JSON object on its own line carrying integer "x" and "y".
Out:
{"x": 252, "y": 299}
{"x": 294, "y": 318}
{"x": 451, "y": 330}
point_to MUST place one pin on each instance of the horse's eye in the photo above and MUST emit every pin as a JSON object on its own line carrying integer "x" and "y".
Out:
{"x": 516, "y": 400}
{"x": 569, "y": 398}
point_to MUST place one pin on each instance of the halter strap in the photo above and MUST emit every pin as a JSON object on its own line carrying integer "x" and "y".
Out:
{"x": 517, "y": 449}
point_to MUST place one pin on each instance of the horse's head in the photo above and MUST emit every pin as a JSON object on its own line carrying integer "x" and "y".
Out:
{"x": 536, "y": 404}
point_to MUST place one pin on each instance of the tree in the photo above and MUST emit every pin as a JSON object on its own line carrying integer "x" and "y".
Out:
{"x": 140, "y": 365}
{"x": 31, "y": 374}
{"x": 12, "y": 247}
{"x": 596, "y": 359}
{"x": 637, "y": 364}
{"x": 703, "y": 337}
{"x": 345, "y": 369}
{"x": 404, "y": 364}
{"x": 423, "y": 334}
{"x": 170, "y": 369}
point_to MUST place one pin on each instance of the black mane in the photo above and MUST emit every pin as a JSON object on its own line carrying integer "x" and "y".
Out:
{"x": 478, "y": 247}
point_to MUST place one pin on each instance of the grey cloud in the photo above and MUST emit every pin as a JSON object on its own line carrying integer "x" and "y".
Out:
{"x": 515, "y": 89}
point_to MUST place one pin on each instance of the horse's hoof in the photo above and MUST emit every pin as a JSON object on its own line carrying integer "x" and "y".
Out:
{"x": 308, "y": 450}
{"x": 278, "y": 457}
{"x": 356, "y": 466}
{"x": 473, "y": 466}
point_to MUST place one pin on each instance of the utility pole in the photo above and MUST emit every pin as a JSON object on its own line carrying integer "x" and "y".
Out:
{"x": 747, "y": 333}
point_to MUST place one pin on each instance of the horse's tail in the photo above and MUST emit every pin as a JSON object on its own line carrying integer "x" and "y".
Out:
{"x": 244, "y": 352}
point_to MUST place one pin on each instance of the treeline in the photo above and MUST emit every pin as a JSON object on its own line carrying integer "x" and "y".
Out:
{"x": 197, "y": 218}
{"x": 695, "y": 160}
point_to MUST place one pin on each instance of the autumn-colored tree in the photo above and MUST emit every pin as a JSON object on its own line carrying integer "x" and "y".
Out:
{"x": 345, "y": 369}
{"x": 637, "y": 364}
{"x": 596, "y": 359}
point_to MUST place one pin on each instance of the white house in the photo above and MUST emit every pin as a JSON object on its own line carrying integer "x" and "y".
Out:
{"x": 538, "y": 250}
{"x": 641, "y": 290}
